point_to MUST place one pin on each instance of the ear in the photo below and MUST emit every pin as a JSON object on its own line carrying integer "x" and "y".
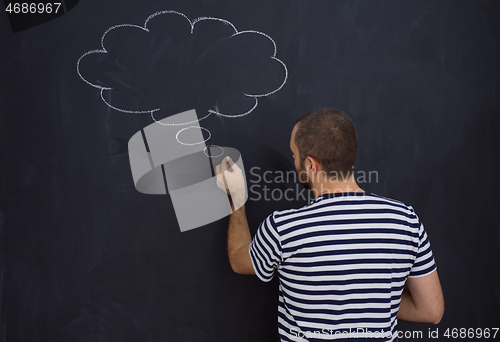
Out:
{"x": 314, "y": 165}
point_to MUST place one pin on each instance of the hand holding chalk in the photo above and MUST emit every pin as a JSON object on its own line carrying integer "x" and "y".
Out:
{"x": 233, "y": 183}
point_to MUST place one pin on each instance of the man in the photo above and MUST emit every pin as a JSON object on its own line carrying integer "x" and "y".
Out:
{"x": 343, "y": 260}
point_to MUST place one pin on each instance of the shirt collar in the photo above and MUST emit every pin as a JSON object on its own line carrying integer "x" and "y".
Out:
{"x": 339, "y": 194}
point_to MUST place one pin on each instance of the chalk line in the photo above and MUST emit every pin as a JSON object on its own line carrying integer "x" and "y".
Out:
{"x": 196, "y": 143}
{"x": 178, "y": 124}
{"x": 211, "y": 156}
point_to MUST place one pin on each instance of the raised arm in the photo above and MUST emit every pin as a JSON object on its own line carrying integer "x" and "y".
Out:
{"x": 238, "y": 242}
{"x": 238, "y": 233}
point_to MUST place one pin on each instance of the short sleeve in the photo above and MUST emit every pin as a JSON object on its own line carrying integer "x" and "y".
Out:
{"x": 424, "y": 262}
{"x": 265, "y": 249}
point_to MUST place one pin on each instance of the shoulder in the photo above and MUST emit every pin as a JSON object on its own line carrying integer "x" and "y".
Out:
{"x": 283, "y": 216}
{"x": 389, "y": 201}
{"x": 279, "y": 219}
{"x": 394, "y": 204}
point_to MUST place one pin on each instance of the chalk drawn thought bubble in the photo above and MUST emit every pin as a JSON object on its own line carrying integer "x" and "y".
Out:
{"x": 172, "y": 63}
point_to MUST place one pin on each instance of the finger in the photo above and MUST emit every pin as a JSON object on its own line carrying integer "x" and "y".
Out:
{"x": 223, "y": 165}
{"x": 220, "y": 182}
{"x": 217, "y": 169}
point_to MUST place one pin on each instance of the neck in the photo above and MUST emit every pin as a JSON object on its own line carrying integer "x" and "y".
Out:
{"x": 320, "y": 188}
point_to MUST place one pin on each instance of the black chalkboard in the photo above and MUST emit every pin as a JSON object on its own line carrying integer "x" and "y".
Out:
{"x": 86, "y": 257}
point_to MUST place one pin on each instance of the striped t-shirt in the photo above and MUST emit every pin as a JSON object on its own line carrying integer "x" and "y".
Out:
{"x": 342, "y": 263}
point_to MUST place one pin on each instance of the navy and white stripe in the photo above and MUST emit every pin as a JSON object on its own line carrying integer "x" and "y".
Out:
{"x": 342, "y": 262}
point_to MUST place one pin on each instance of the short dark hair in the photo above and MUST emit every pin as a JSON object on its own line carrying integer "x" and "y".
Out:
{"x": 329, "y": 136}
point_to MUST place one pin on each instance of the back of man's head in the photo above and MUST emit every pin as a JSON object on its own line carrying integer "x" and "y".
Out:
{"x": 329, "y": 136}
